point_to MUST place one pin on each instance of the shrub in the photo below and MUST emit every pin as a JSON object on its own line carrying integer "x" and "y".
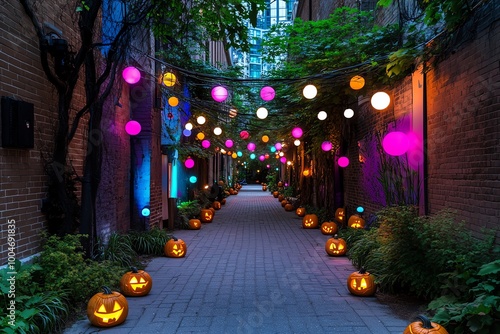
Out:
{"x": 149, "y": 242}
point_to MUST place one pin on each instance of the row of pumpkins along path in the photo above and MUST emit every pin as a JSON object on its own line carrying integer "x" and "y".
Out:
{"x": 359, "y": 283}
{"x": 110, "y": 308}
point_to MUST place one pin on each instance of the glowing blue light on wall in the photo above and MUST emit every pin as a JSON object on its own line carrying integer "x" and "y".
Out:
{"x": 146, "y": 212}
{"x": 273, "y": 149}
{"x": 193, "y": 179}
{"x": 239, "y": 153}
{"x": 360, "y": 209}
{"x": 252, "y": 156}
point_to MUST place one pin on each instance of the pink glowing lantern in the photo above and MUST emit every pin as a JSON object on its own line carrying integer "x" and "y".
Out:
{"x": 283, "y": 160}
{"x": 278, "y": 146}
{"x": 229, "y": 143}
{"x": 251, "y": 146}
{"x": 219, "y": 93}
{"x": 326, "y": 146}
{"x": 262, "y": 158}
{"x": 396, "y": 143}
{"x": 205, "y": 143}
{"x": 133, "y": 128}
{"x": 189, "y": 163}
{"x": 343, "y": 162}
{"x": 244, "y": 134}
{"x": 131, "y": 75}
{"x": 267, "y": 93}
{"x": 297, "y": 132}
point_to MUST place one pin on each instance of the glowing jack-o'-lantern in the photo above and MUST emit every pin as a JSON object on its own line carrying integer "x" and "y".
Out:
{"x": 216, "y": 205}
{"x": 136, "y": 283}
{"x": 301, "y": 212}
{"x": 424, "y": 326}
{"x": 310, "y": 221}
{"x": 281, "y": 198}
{"x": 329, "y": 228}
{"x": 280, "y": 184}
{"x": 175, "y": 248}
{"x": 194, "y": 224}
{"x": 288, "y": 207}
{"x": 206, "y": 215}
{"x": 107, "y": 308}
{"x": 340, "y": 215}
{"x": 356, "y": 221}
{"x": 264, "y": 187}
{"x": 276, "y": 194}
{"x": 336, "y": 246}
{"x": 361, "y": 283}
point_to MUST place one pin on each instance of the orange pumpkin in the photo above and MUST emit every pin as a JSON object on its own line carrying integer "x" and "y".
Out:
{"x": 216, "y": 205}
{"x": 107, "y": 308}
{"x": 424, "y": 326}
{"x": 280, "y": 184}
{"x": 336, "y": 246}
{"x": 194, "y": 224}
{"x": 340, "y": 215}
{"x": 276, "y": 194}
{"x": 175, "y": 248}
{"x": 301, "y": 212}
{"x": 136, "y": 283}
{"x": 206, "y": 215}
{"x": 281, "y": 198}
{"x": 223, "y": 201}
{"x": 264, "y": 188}
{"x": 288, "y": 207}
{"x": 310, "y": 221}
{"x": 329, "y": 228}
{"x": 284, "y": 202}
{"x": 361, "y": 283}
{"x": 356, "y": 221}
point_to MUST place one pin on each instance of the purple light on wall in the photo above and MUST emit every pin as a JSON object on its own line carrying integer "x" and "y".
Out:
{"x": 189, "y": 163}
{"x": 229, "y": 143}
{"x": 277, "y": 146}
{"x": 131, "y": 75}
{"x": 343, "y": 162}
{"x": 262, "y": 158}
{"x": 205, "y": 143}
{"x": 395, "y": 143}
{"x": 326, "y": 146}
{"x": 219, "y": 93}
{"x": 297, "y": 132}
{"x": 251, "y": 146}
{"x": 267, "y": 93}
{"x": 133, "y": 128}
{"x": 283, "y": 160}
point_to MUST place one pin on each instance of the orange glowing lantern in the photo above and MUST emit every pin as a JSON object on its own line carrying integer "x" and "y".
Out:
{"x": 206, "y": 215}
{"x": 340, "y": 215}
{"x": 136, "y": 283}
{"x": 107, "y": 308}
{"x": 329, "y": 228}
{"x": 361, "y": 283}
{"x": 175, "y": 248}
{"x": 301, "y": 212}
{"x": 336, "y": 246}
{"x": 194, "y": 224}
{"x": 310, "y": 221}
{"x": 356, "y": 221}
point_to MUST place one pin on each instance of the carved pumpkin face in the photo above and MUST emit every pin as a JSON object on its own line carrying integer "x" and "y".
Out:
{"x": 136, "y": 283}
{"x": 340, "y": 215}
{"x": 175, "y": 248}
{"x": 107, "y": 309}
{"x": 206, "y": 216}
{"x": 329, "y": 228}
{"x": 424, "y": 326}
{"x": 301, "y": 212}
{"x": 276, "y": 194}
{"x": 288, "y": 207}
{"x": 336, "y": 246}
{"x": 216, "y": 205}
{"x": 361, "y": 283}
{"x": 310, "y": 221}
{"x": 280, "y": 184}
{"x": 194, "y": 224}
{"x": 356, "y": 221}
{"x": 264, "y": 188}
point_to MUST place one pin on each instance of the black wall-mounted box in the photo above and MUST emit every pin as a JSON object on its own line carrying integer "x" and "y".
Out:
{"x": 18, "y": 122}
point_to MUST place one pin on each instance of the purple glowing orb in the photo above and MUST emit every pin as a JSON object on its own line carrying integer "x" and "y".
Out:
{"x": 326, "y": 146}
{"x": 283, "y": 160}
{"x": 297, "y": 132}
{"x": 205, "y": 143}
{"x": 267, "y": 93}
{"x": 244, "y": 134}
{"x": 343, "y": 162}
{"x": 396, "y": 143}
{"x": 219, "y": 93}
{"x": 229, "y": 143}
{"x": 131, "y": 75}
{"x": 189, "y": 163}
{"x": 251, "y": 146}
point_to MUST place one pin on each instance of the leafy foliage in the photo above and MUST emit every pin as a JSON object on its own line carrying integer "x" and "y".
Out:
{"x": 149, "y": 242}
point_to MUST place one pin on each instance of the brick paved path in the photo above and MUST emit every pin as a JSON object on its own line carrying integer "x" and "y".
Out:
{"x": 254, "y": 269}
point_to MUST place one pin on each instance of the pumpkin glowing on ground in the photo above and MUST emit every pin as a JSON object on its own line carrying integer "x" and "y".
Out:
{"x": 356, "y": 221}
{"x": 136, "y": 283}
{"x": 310, "y": 221}
{"x": 336, "y": 246}
{"x": 361, "y": 283}
{"x": 206, "y": 215}
{"x": 264, "y": 188}
{"x": 281, "y": 198}
{"x": 284, "y": 202}
{"x": 175, "y": 248}
{"x": 424, "y": 326}
{"x": 340, "y": 215}
{"x": 329, "y": 228}
{"x": 223, "y": 201}
{"x": 301, "y": 212}
{"x": 194, "y": 224}
{"x": 288, "y": 207}
{"x": 276, "y": 194}
{"x": 216, "y": 205}
{"x": 107, "y": 308}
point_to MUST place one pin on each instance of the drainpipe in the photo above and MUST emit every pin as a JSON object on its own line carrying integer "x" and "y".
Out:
{"x": 425, "y": 142}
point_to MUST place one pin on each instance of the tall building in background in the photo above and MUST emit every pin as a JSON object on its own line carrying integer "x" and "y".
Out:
{"x": 278, "y": 11}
